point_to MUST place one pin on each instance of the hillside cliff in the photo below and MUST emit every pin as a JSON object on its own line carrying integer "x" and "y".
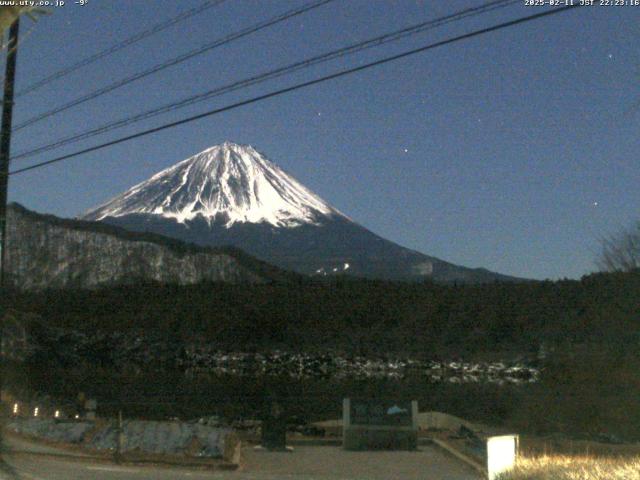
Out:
{"x": 44, "y": 251}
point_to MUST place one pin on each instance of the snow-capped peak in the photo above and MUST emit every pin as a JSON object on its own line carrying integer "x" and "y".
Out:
{"x": 230, "y": 182}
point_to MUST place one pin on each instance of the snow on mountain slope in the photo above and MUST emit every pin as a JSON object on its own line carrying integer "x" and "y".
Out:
{"x": 232, "y": 195}
{"x": 228, "y": 182}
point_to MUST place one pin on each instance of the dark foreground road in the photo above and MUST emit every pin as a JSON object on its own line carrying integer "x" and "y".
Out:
{"x": 305, "y": 463}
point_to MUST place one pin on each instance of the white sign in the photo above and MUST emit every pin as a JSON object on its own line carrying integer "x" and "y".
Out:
{"x": 501, "y": 454}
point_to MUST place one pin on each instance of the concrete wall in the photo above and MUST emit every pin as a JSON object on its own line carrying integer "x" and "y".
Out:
{"x": 443, "y": 421}
{"x": 173, "y": 438}
{"x": 425, "y": 420}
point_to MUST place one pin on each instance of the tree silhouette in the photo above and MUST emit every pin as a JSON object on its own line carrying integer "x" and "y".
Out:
{"x": 621, "y": 251}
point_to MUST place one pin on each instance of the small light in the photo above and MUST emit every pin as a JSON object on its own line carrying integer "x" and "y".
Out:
{"x": 57, "y": 414}
{"x": 15, "y": 408}
{"x": 77, "y": 416}
{"x": 35, "y": 411}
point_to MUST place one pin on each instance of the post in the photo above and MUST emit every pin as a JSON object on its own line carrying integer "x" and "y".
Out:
{"x": 274, "y": 426}
{"x": 5, "y": 143}
{"x": 117, "y": 456}
{"x": 346, "y": 420}
{"x": 414, "y": 415}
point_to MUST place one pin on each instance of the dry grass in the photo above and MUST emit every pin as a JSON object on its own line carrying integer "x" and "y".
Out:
{"x": 535, "y": 446}
{"x": 565, "y": 467}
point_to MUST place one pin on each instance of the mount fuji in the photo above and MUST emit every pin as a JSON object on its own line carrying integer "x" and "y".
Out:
{"x": 233, "y": 195}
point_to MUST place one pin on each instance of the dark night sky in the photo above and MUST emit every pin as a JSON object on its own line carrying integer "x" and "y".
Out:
{"x": 515, "y": 151}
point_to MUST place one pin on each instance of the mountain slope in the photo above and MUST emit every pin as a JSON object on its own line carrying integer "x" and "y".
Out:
{"x": 232, "y": 195}
{"x": 44, "y": 251}
{"x": 229, "y": 183}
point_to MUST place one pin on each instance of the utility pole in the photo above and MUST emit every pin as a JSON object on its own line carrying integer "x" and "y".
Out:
{"x": 5, "y": 142}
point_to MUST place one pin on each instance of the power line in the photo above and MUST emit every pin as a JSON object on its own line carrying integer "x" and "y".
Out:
{"x": 301, "y": 85}
{"x": 119, "y": 46}
{"x": 174, "y": 61}
{"x": 272, "y": 74}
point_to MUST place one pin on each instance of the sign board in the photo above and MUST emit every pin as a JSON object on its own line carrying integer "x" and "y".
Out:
{"x": 502, "y": 452}
{"x": 379, "y": 424}
{"x": 381, "y": 413}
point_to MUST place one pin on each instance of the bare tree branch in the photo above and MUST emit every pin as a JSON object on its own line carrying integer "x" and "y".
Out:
{"x": 620, "y": 252}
